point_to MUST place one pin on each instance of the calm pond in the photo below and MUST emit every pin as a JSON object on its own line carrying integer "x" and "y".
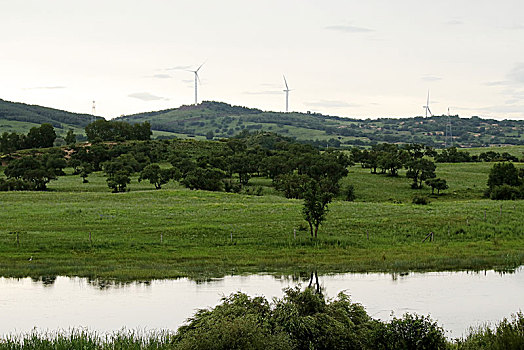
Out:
{"x": 456, "y": 299}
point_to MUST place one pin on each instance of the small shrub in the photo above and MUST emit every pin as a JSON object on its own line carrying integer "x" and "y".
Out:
{"x": 422, "y": 200}
{"x": 230, "y": 186}
{"x": 350, "y": 193}
{"x": 505, "y": 192}
{"x": 507, "y": 335}
{"x": 409, "y": 332}
{"x": 460, "y": 231}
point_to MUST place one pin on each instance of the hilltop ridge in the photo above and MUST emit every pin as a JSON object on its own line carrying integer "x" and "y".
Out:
{"x": 20, "y": 117}
{"x": 212, "y": 119}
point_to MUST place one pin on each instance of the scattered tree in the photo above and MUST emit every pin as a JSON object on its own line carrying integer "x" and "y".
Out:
{"x": 30, "y": 170}
{"x": 70, "y": 138}
{"x": 437, "y": 184}
{"x": 420, "y": 170}
{"x": 505, "y": 181}
{"x": 316, "y": 200}
{"x": 156, "y": 175}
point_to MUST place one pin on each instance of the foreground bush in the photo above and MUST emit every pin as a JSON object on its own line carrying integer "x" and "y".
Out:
{"x": 409, "y": 333}
{"x": 507, "y": 335}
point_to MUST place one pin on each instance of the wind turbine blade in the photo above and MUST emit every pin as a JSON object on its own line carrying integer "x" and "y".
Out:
{"x": 427, "y": 103}
{"x": 429, "y": 110}
{"x": 200, "y": 66}
{"x": 198, "y": 77}
{"x": 285, "y": 82}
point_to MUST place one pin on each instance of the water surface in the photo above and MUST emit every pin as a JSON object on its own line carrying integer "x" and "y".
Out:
{"x": 456, "y": 299}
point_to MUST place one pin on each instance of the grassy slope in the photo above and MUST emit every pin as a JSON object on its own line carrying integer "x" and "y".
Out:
{"x": 196, "y": 228}
{"x": 225, "y": 120}
{"x": 21, "y": 117}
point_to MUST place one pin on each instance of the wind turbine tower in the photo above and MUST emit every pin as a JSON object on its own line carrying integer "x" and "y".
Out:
{"x": 197, "y": 80}
{"x": 448, "y": 133}
{"x": 287, "y": 94}
{"x": 427, "y": 107}
{"x": 93, "y": 111}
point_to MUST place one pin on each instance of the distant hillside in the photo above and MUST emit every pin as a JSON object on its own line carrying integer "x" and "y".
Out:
{"x": 217, "y": 119}
{"x": 20, "y": 117}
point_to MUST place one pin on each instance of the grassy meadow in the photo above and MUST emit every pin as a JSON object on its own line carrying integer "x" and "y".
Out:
{"x": 175, "y": 232}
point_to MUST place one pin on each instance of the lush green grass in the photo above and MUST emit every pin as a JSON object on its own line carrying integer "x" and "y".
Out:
{"x": 196, "y": 226}
{"x": 517, "y": 151}
{"x": 16, "y": 126}
{"x": 465, "y": 180}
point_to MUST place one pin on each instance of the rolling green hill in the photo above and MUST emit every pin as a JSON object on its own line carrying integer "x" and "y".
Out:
{"x": 221, "y": 120}
{"x": 217, "y": 119}
{"x": 20, "y": 117}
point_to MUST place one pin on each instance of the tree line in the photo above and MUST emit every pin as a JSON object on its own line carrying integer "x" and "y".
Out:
{"x": 297, "y": 170}
{"x": 100, "y": 130}
{"x": 388, "y": 158}
{"x": 38, "y": 137}
{"x": 453, "y": 155}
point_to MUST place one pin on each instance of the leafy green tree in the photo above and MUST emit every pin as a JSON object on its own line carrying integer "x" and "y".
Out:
{"x": 505, "y": 181}
{"x": 437, "y": 184}
{"x": 507, "y": 192}
{"x": 118, "y": 174}
{"x": 156, "y": 175}
{"x": 30, "y": 170}
{"x": 182, "y": 162}
{"x": 292, "y": 185}
{"x": 390, "y": 158}
{"x": 244, "y": 165}
{"x": 276, "y": 165}
{"x": 109, "y": 130}
{"x": 369, "y": 160}
{"x": 55, "y": 163}
{"x": 85, "y": 170}
{"x": 420, "y": 170}
{"x": 70, "y": 138}
{"x": 119, "y": 181}
{"x": 75, "y": 163}
{"x": 316, "y": 200}
{"x": 97, "y": 155}
{"x": 41, "y": 137}
{"x": 503, "y": 174}
{"x": 452, "y": 155}
{"x": 10, "y": 142}
{"x": 209, "y": 179}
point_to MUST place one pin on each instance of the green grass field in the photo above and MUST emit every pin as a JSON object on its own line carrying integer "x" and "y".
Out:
{"x": 174, "y": 232}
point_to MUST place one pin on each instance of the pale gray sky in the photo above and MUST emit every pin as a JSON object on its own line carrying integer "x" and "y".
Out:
{"x": 340, "y": 57}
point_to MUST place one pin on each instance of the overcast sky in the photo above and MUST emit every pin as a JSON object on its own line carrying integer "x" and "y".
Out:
{"x": 340, "y": 57}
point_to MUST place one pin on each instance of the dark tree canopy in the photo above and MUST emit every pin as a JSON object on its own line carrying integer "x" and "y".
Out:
{"x": 505, "y": 181}
{"x": 33, "y": 172}
{"x": 107, "y": 130}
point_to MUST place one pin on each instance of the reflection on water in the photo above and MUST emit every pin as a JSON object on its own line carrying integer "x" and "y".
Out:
{"x": 456, "y": 299}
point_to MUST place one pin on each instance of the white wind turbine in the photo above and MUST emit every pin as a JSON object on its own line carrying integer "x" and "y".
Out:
{"x": 427, "y": 107}
{"x": 197, "y": 80}
{"x": 287, "y": 90}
